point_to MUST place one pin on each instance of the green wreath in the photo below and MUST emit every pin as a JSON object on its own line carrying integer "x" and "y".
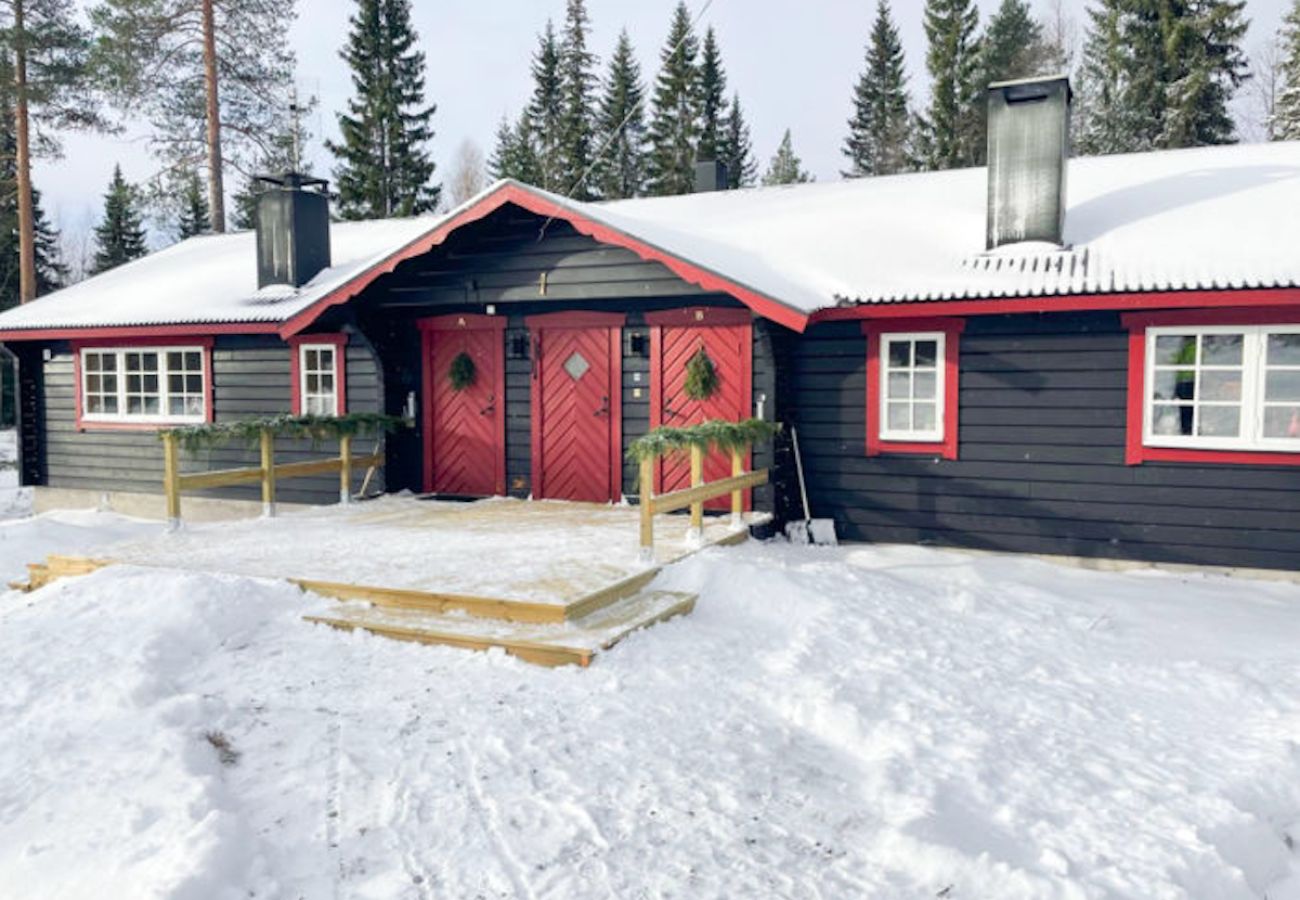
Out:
{"x": 702, "y": 377}
{"x": 462, "y": 372}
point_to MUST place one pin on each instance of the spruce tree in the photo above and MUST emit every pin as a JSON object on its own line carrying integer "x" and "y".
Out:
{"x": 577, "y": 84}
{"x": 785, "y": 167}
{"x": 385, "y": 168}
{"x": 713, "y": 101}
{"x": 515, "y": 155}
{"x": 950, "y": 128}
{"x": 880, "y": 127}
{"x": 675, "y": 109}
{"x": 1286, "y": 125}
{"x": 1013, "y": 45}
{"x": 193, "y": 219}
{"x": 546, "y": 111}
{"x": 620, "y": 123}
{"x": 1206, "y": 65}
{"x": 119, "y": 237}
{"x": 738, "y": 148}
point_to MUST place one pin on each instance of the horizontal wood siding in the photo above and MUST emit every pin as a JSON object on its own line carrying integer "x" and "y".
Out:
{"x": 251, "y": 379}
{"x": 1041, "y": 457}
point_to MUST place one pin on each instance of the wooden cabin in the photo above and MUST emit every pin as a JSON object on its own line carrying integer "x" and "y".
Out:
{"x": 1093, "y": 357}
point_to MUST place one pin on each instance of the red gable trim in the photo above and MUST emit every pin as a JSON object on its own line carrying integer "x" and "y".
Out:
{"x": 526, "y": 198}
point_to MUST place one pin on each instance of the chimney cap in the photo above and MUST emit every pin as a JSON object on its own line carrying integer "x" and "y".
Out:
{"x": 1044, "y": 80}
{"x": 294, "y": 181}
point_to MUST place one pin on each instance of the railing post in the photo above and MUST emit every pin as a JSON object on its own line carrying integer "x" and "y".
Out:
{"x": 648, "y": 509}
{"x": 268, "y": 472}
{"x": 345, "y": 469}
{"x": 696, "y": 532}
{"x": 172, "y": 480}
{"x": 737, "y": 497}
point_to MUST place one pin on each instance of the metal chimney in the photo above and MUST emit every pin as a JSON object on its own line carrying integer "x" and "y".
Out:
{"x": 1029, "y": 143}
{"x": 293, "y": 229}
{"x": 711, "y": 175}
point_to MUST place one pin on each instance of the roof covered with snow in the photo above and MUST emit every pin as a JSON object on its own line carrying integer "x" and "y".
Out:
{"x": 1208, "y": 218}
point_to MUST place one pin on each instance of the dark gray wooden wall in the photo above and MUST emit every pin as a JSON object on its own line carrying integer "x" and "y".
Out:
{"x": 1041, "y": 465}
{"x": 251, "y": 379}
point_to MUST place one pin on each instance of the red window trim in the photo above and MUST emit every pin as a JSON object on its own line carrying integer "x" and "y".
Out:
{"x": 130, "y": 343}
{"x": 951, "y": 329}
{"x": 339, "y": 341}
{"x": 1136, "y": 451}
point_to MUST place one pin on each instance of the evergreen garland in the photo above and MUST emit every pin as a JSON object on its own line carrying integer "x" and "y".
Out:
{"x": 715, "y": 434}
{"x": 462, "y": 372}
{"x": 702, "y": 378}
{"x": 193, "y": 438}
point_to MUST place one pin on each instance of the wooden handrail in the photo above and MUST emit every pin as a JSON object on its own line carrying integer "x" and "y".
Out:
{"x": 695, "y": 496}
{"x": 268, "y": 473}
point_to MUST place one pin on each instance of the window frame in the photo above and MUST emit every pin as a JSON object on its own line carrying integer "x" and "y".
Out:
{"x": 943, "y": 441}
{"x": 121, "y": 420}
{"x": 1251, "y": 447}
{"x": 300, "y": 345}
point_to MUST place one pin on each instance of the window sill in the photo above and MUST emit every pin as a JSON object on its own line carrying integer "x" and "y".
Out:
{"x": 941, "y": 449}
{"x": 1138, "y": 455}
{"x": 85, "y": 425}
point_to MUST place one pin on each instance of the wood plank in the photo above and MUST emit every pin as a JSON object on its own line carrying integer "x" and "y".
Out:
{"x": 676, "y": 500}
{"x": 434, "y": 602}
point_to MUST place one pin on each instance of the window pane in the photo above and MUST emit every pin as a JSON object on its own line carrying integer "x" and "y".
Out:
{"x": 176, "y": 384}
{"x": 1162, "y": 387}
{"x": 134, "y": 406}
{"x": 1282, "y": 422}
{"x": 133, "y": 362}
{"x": 1219, "y": 421}
{"x": 1284, "y": 349}
{"x": 194, "y": 384}
{"x": 900, "y": 354}
{"x": 151, "y": 384}
{"x": 313, "y": 384}
{"x": 899, "y": 385}
{"x": 1221, "y": 350}
{"x": 924, "y": 416}
{"x": 1168, "y": 419}
{"x": 194, "y": 361}
{"x": 924, "y": 386}
{"x": 900, "y": 418}
{"x": 109, "y": 362}
{"x": 133, "y": 383}
{"x": 94, "y": 404}
{"x": 174, "y": 360}
{"x": 327, "y": 384}
{"x": 110, "y": 404}
{"x": 927, "y": 353}
{"x": 110, "y": 384}
{"x": 1175, "y": 349}
{"x": 312, "y": 359}
{"x": 176, "y": 406}
{"x": 1220, "y": 385}
{"x": 194, "y": 406}
{"x": 151, "y": 406}
{"x": 92, "y": 384}
{"x": 92, "y": 362}
{"x": 1282, "y": 385}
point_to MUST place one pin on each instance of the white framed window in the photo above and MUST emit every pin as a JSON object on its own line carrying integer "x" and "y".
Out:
{"x": 318, "y": 379}
{"x": 1222, "y": 387}
{"x": 912, "y": 386}
{"x": 153, "y": 385}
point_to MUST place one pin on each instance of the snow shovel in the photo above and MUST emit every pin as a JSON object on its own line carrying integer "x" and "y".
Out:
{"x": 820, "y": 532}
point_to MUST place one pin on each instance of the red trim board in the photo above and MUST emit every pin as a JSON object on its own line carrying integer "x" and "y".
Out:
{"x": 951, "y": 330}
{"x": 138, "y": 334}
{"x": 204, "y": 343}
{"x": 340, "y": 342}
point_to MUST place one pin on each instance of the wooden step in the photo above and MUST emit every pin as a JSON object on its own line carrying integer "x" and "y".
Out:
{"x": 548, "y": 644}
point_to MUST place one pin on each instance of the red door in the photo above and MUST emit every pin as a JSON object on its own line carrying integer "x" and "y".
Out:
{"x": 576, "y": 406}
{"x": 464, "y": 424}
{"x": 726, "y": 336}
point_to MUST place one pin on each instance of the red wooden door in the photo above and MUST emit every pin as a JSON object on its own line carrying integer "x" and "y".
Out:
{"x": 576, "y": 406}
{"x": 464, "y": 429}
{"x": 726, "y": 335}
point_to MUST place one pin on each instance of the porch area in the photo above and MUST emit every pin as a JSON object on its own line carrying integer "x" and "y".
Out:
{"x": 552, "y": 582}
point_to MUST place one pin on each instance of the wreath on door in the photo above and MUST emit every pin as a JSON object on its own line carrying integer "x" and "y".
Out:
{"x": 462, "y": 373}
{"x": 702, "y": 379}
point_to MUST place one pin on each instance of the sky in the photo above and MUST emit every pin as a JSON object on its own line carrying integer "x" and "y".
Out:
{"x": 794, "y": 63}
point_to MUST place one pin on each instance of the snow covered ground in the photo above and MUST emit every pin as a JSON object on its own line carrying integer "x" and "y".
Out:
{"x": 855, "y": 722}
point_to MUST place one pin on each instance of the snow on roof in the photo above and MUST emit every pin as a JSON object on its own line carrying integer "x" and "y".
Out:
{"x": 210, "y": 279}
{"x": 1208, "y": 218}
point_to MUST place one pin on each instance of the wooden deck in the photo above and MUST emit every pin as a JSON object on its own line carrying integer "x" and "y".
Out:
{"x": 551, "y": 583}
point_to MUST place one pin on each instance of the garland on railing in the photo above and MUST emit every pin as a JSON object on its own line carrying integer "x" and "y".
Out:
{"x": 715, "y": 434}
{"x": 193, "y": 438}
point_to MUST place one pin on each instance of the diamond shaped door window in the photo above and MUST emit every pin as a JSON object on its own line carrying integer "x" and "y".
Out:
{"x": 576, "y": 365}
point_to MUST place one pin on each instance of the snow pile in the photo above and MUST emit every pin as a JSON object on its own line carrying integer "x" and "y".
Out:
{"x": 836, "y": 723}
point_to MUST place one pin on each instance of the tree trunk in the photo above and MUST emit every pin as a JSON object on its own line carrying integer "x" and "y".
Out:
{"x": 216, "y": 187}
{"x": 26, "y": 225}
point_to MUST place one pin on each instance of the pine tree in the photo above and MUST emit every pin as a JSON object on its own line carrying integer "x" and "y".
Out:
{"x": 785, "y": 167}
{"x": 1286, "y": 125}
{"x": 546, "y": 111}
{"x": 950, "y": 128}
{"x": 675, "y": 109}
{"x": 738, "y": 148}
{"x": 120, "y": 235}
{"x": 208, "y": 74}
{"x": 194, "y": 219}
{"x": 713, "y": 101}
{"x": 577, "y": 84}
{"x": 385, "y": 168}
{"x": 620, "y": 123}
{"x": 881, "y": 124}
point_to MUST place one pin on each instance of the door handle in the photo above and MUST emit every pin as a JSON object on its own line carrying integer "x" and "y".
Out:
{"x": 604, "y": 407}
{"x": 669, "y": 411}
{"x": 491, "y": 405}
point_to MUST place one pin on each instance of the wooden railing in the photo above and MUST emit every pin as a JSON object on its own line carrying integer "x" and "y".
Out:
{"x": 268, "y": 473}
{"x": 695, "y": 496}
